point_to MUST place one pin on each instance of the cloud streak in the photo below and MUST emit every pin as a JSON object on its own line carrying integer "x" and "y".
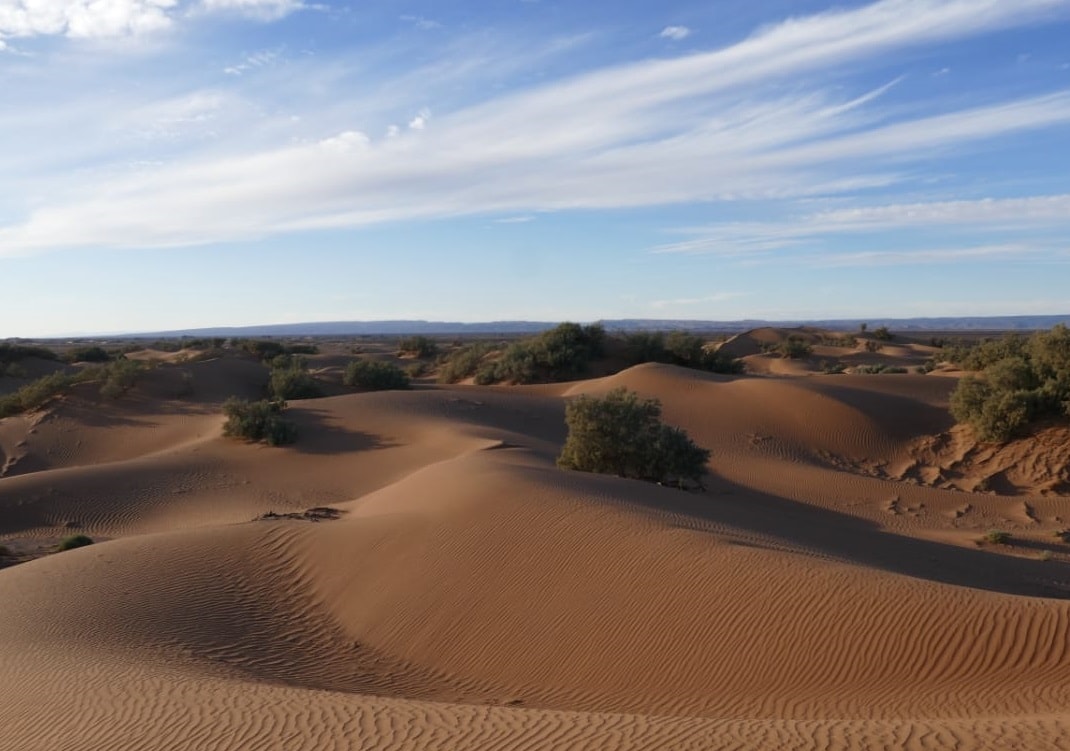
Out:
{"x": 701, "y": 127}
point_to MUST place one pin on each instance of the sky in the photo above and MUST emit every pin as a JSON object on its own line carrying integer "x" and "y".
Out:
{"x": 172, "y": 164}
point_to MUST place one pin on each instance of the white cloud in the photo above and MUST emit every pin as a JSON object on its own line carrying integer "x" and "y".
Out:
{"x": 699, "y": 127}
{"x": 83, "y": 18}
{"x": 676, "y": 33}
{"x": 252, "y": 62}
{"x": 988, "y": 215}
{"x": 265, "y": 10}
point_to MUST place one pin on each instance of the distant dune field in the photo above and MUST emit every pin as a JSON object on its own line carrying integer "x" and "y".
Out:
{"x": 826, "y": 591}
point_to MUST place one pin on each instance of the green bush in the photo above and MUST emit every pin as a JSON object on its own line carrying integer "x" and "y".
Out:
{"x": 463, "y": 362}
{"x": 1021, "y": 381}
{"x": 622, "y": 434}
{"x": 258, "y": 421}
{"x": 882, "y": 334}
{"x": 375, "y": 375}
{"x": 120, "y": 376}
{"x": 562, "y": 353}
{"x": 997, "y": 537}
{"x": 878, "y": 369}
{"x": 418, "y": 346}
{"x": 10, "y": 352}
{"x": 795, "y": 347}
{"x": 75, "y": 541}
{"x": 88, "y": 354}
{"x": 290, "y": 379}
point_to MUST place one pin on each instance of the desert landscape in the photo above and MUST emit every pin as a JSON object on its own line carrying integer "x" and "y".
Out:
{"x": 414, "y": 571}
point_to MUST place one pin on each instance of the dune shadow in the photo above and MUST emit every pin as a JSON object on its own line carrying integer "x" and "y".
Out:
{"x": 318, "y": 434}
{"x": 847, "y": 538}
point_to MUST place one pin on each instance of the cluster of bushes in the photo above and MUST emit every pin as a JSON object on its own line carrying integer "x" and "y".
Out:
{"x": 562, "y": 353}
{"x": 878, "y": 368}
{"x": 795, "y": 347}
{"x": 464, "y": 362}
{"x": 116, "y": 378}
{"x": 623, "y": 435}
{"x": 375, "y": 375}
{"x": 89, "y": 354}
{"x": 882, "y": 334}
{"x": 260, "y": 421}
{"x": 267, "y": 350}
{"x": 1021, "y": 380}
{"x": 74, "y": 541}
{"x": 417, "y": 346}
{"x": 290, "y": 379}
{"x": 11, "y": 353}
{"x": 845, "y": 341}
{"x": 678, "y": 348}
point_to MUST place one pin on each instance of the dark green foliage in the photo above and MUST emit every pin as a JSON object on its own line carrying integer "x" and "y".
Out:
{"x": 375, "y": 375}
{"x": 88, "y": 354}
{"x": 258, "y": 421}
{"x": 878, "y": 369}
{"x": 290, "y": 379}
{"x": 36, "y": 393}
{"x": 120, "y": 376}
{"x": 263, "y": 349}
{"x": 829, "y": 367}
{"x": 882, "y": 334}
{"x": 561, "y": 353}
{"x": 862, "y": 327}
{"x": 997, "y": 537}
{"x": 623, "y": 435}
{"x": 1021, "y": 381}
{"x": 988, "y": 352}
{"x": 75, "y": 541}
{"x": 418, "y": 346}
{"x": 845, "y": 341}
{"x": 795, "y": 347}
{"x": 872, "y": 346}
{"x": 10, "y": 353}
{"x": 463, "y": 362}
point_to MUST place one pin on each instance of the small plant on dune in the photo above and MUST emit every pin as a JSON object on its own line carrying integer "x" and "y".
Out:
{"x": 120, "y": 376}
{"x": 882, "y": 334}
{"x": 463, "y": 362}
{"x": 872, "y": 346}
{"x": 375, "y": 375}
{"x": 623, "y": 435}
{"x": 89, "y": 354}
{"x": 997, "y": 537}
{"x": 258, "y": 421}
{"x": 794, "y": 347}
{"x": 75, "y": 541}
{"x": 290, "y": 379}
{"x": 1046, "y": 555}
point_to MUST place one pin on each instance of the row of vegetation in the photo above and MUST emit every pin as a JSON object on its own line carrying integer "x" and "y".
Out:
{"x": 115, "y": 379}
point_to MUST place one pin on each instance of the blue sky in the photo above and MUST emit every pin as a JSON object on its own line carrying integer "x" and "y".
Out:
{"x": 182, "y": 163}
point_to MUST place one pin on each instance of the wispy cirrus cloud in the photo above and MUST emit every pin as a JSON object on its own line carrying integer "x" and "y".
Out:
{"x": 675, "y": 33}
{"x": 711, "y": 126}
{"x": 1033, "y": 214}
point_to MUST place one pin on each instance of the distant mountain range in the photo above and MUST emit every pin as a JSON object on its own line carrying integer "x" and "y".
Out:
{"x": 445, "y": 328}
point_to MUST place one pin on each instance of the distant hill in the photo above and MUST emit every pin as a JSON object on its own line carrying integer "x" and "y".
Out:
{"x": 443, "y": 328}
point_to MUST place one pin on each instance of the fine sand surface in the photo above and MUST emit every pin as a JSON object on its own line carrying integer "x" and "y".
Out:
{"x": 827, "y": 591}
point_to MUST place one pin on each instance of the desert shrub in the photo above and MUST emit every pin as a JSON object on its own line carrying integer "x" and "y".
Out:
{"x": 74, "y": 541}
{"x": 623, "y": 435}
{"x": 290, "y": 379}
{"x": 873, "y": 346}
{"x": 88, "y": 354}
{"x": 882, "y": 334}
{"x": 463, "y": 362}
{"x": 37, "y": 392}
{"x": 258, "y": 421}
{"x": 10, "y": 352}
{"x": 417, "y": 369}
{"x": 794, "y": 347}
{"x": 120, "y": 376}
{"x": 375, "y": 375}
{"x": 878, "y": 369}
{"x": 263, "y": 349}
{"x": 997, "y": 537}
{"x": 561, "y": 353}
{"x": 1022, "y": 380}
{"x": 418, "y": 346}
{"x": 645, "y": 346}
{"x": 845, "y": 341}
{"x": 832, "y": 367}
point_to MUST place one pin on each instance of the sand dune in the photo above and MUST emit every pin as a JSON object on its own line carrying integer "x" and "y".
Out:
{"x": 473, "y": 596}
